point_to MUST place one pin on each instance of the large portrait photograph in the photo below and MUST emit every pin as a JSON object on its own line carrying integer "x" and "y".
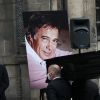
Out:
{"x": 46, "y": 36}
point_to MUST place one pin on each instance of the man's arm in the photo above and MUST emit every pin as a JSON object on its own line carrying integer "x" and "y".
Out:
{"x": 4, "y": 80}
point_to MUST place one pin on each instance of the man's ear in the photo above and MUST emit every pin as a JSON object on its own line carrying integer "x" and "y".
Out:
{"x": 30, "y": 39}
{"x": 35, "y": 37}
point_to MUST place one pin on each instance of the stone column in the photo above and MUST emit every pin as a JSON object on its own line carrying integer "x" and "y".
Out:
{"x": 90, "y": 12}
{"x": 75, "y": 8}
{"x": 56, "y": 5}
{"x": 53, "y": 5}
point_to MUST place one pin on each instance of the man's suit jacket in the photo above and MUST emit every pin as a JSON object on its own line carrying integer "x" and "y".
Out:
{"x": 59, "y": 89}
{"x": 4, "y": 82}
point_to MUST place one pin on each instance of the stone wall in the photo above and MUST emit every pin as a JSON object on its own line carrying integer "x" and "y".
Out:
{"x": 15, "y": 61}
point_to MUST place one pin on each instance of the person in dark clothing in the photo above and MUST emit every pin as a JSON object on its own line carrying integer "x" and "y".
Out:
{"x": 85, "y": 90}
{"x": 4, "y": 82}
{"x": 58, "y": 88}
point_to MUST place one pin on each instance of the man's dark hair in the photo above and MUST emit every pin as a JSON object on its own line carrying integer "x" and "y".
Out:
{"x": 38, "y": 20}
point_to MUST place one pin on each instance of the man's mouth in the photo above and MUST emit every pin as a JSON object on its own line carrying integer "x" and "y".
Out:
{"x": 47, "y": 53}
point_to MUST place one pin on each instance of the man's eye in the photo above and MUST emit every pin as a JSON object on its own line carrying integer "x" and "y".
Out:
{"x": 44, "y": 39}
{"x": 55, "y": 41}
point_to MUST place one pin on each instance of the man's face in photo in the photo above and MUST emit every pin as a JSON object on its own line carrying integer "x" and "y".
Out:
{"x": 45, "y": 42}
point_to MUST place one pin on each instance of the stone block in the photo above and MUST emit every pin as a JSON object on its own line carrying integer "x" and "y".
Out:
{"x": 12, "y": 91}
{"x": 11, "y": 69}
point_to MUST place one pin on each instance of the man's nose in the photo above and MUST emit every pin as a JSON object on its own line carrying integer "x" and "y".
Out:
{"x": 49, "y": 45}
